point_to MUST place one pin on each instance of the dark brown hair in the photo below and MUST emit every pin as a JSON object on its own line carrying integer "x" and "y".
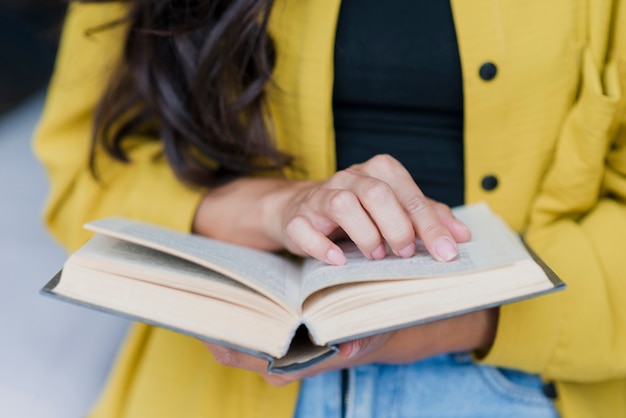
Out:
{"x": 193, "y": 75}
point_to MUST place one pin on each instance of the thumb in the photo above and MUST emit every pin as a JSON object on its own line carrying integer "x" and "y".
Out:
{"x": 351, "y": 349}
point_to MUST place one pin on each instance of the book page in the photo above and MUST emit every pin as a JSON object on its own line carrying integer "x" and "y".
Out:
{"x": 270, "y": 274}
{"x": 356, "y": 310}
{"x": 493, "y": 244}
{"x": 132, "y": 260}
{"x": 145, "y": 264}
{"x": 239, "y": 326}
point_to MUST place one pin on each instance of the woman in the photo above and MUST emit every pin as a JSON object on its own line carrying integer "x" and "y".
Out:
{"x": 526, "y": 112}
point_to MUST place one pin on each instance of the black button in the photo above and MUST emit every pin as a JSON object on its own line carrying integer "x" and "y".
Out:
{"x": 549, "y": 390}
{"x": 489, "y": 182}
{"x": 488, "y": 71}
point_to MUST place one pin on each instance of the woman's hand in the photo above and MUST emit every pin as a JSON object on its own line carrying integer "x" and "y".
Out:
{"x": 370, "y": 203}
{"x": 472, "y": 331}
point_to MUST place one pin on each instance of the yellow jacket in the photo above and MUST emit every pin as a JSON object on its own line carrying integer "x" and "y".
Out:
{"x": 549, "y": 126}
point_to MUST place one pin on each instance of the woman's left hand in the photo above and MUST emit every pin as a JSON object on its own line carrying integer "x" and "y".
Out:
{"x": 471, "y": 331}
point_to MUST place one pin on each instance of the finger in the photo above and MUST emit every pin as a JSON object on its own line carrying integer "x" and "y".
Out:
{"x": 434, "y": 234}
{"x": 363, "y": 349}
{"x": 388, "y": 215}
{"x": 429, "y": 227}
{"x": 459, "y": 230}
{"x": 347, "y": 210}
{"x": 331, "y": 209}
{"x": 233, "y": 358}
{"x": 350, "y": 349}
{"x": 304, "y": 239}
{"x": 369, "y": 212}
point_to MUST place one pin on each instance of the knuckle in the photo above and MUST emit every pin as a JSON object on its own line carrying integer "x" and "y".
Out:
{"x": 377, "y": 192}
{"x": 418, "y": 208}
{"x": 293, "y": 225}
{"x": 416, "y": 204}
{"x": 295, "y": 231}
{"x": 384, "y": 161}
{"x": 430, "y": 230}
{"x": 314, "y": 195}
{"x": 377, "y": 163}
{"x": 341, "y": 176}
{"x": 342, "y": 201}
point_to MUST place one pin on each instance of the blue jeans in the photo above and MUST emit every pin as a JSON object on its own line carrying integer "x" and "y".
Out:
{"x": 443, "y": 386}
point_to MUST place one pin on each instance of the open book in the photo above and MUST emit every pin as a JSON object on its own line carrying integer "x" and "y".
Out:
{"x": 292, "y": 312}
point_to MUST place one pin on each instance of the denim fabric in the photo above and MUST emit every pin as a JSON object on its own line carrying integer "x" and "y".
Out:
{"x": 443, "y": 386}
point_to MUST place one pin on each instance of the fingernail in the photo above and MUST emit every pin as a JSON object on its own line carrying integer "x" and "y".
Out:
{"x": 445, "y": 249}
{"x": 379, "y": 253}
{"x": 356, "y": 347}
{"x": 407, "y": 251}
{"x": 336, "y": 257}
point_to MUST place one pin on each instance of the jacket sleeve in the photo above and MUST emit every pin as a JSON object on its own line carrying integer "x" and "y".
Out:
{"x": 578, "y": 225}
{"x": 145, "y": 189}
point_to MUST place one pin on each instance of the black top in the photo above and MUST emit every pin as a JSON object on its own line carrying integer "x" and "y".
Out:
{"x": 398, "y": 90}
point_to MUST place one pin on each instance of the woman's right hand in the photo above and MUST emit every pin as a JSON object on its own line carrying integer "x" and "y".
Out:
{"x": 371, "y": 203}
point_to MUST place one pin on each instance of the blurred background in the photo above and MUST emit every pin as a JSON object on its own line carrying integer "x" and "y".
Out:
{"x": 54, "y": 357}
{"x": 29, "y": 31}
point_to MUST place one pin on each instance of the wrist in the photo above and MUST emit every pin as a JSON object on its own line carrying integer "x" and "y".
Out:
{"x": 245, "y": 211}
